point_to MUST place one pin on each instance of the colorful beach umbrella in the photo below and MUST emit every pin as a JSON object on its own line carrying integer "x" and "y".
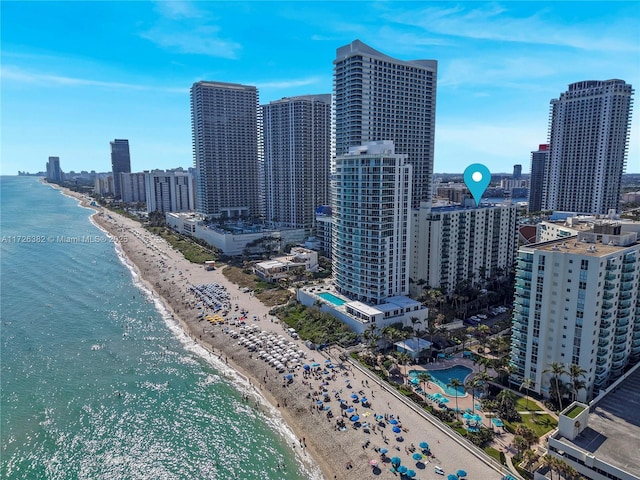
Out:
{"x": 396, "y": 461}
{"x": 393, "y": 421}
{"x": 373, "y": 462}
{"x": 451, "y": 476}
{"x": 355, "y": 418}
{"x": 351, "y": 410}
{"x": 410, "y": 473}
{"x": 396, "y": 429}
{"x": 461, "y": 473}
{"x": 383, "y": 451}
{"x": 403, "y": 469}
{"x": 417, "y": 456}
{"x": 424, "y": 445}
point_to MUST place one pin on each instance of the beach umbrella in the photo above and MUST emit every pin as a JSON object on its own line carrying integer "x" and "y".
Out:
{"x": 373, "y": 462}
{"x": 315, "y": 365}
{"x": 396, "y": 461}
{"x": 444, "y": 400}
{"x": 461, "y": 473}
{"x": 467, "y": 416}
{"x": 354, "y": 396}
{"x": 410, "y": 473}
{"x": 355, "y": 418}
{"x": 327, "y": 407}
{"x": 451, "y": 476}
{"x": 397, "y": 429}
{"x": 319, "y": 402}
{"x": 415, "y": 381}
{"x": 383, "y": 451}
{"x": 327, "y": 361}
{"x": 306, "y": 367}
{"x": 363, "y": 400}
{"x": 288, "y": 376}
{"x": 393, "y": 421}
{"x": 402, "y": 469}
{"x": 424, "y": 445}
{"x": 351, "y": 410}
{"x": 417, "y": 456}
{"x": 477, "y": 418}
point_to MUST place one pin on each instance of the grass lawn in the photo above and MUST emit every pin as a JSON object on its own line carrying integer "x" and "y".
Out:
{"x": 539, "y": 423}
{"x": 522, "y": 405}
{"x": 575, "y": 411}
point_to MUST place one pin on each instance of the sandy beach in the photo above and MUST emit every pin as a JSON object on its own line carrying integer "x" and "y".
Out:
{"x": 353, "y": 451}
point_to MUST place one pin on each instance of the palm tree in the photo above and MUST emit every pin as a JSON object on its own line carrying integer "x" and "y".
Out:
{"x": 414, "y": 320}
{"x": 556, "y": 369}
{"x": 424, "y": 377}
{"x": 575, "y": 372}
{"x": 471, "y": 385}
{"x": 455, "y": 383}
{"x": 527, "y": 384}
{"x": 506, "y": 398}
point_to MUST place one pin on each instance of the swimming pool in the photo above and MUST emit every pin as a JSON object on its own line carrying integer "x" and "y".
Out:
{"x": 444, "y": 376}
{"x": 330, "y": 297}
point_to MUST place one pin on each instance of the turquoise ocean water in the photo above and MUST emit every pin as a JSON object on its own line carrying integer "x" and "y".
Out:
{"x": 97, "y": 382}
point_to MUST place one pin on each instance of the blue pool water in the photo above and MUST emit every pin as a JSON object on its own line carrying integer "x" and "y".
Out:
{"x": 330, "y": 297}
{"x": 443, "y": 377}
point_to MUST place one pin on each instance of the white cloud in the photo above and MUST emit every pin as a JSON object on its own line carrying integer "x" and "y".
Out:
{"x": 178, "y": 9}
{"x": 492, "y": 22}
{"x": 12, "y": 73}
{"x": 282, "y": 84}
{"x": 202, "y": 40}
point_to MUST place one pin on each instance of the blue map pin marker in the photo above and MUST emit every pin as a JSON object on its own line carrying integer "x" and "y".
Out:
{"x": 477, "y": 177}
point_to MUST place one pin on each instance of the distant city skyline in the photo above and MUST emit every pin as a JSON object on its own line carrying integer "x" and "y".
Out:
{"x": 67, "y": 94}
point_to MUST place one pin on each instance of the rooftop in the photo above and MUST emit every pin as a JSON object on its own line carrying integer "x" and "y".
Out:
{"x": 575, "y": 246}
{"x": 614, "y": 426}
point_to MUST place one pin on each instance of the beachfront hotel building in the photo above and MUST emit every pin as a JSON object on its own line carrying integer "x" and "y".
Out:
{"x": 170, "y": 191}
{"x": 453, "y": 244}
{"x": 224, "y": 121}
{"x": 588, "y": 140}
{"x": 378, "y": 97}
{"x": 297, "y": 159}
{"x": 536, "y": 180}
{"x": 371, "y": 192}
{"x": 576, "y": 302}
{"x": 120, "y": 163}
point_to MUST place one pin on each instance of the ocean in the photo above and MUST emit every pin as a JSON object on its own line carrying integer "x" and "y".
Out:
{"x": 97, "y": 381}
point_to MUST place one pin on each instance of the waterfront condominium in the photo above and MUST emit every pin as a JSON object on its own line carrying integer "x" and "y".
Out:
{"x": 297, "y": 158}
{"x": 54, "y": 173}
{"x": 170, "y": 191}
{"x": 132, "y": 187}
{"x": 457, "y": 244}
{"x": 120, "y": 163}
{"x": 538, "y": 162}
{"x": 378, "y": 97}
{"x": 371, "y": 191}
{"x": 224, "y": 121}
{"x": 588, "y": 138}
{"x": 576, "y": 302}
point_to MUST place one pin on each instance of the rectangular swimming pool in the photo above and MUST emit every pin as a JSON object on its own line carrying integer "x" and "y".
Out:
{"x": 331, "y": 298}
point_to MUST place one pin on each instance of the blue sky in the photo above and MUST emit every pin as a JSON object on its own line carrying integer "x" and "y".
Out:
{"x": 76, "y": 75}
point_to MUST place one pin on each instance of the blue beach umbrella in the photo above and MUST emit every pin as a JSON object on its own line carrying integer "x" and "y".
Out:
{"x": 403, "y": 469}
{"x": 315, "y": 365}
{"x": 451, "y": 476}
{"x": 396, "y": 461}
{"x": 461, "y": 473}
{"x": 383, "y": 451}
{"x": 393, "y": 421}
{"x": 288, "y": 376}
{"x": 424, "y": 445}
{"x": 351, "y": 410}
{"x": 396, "y": 429}
{"x": 417, "y": 456}
{"x": 363, "y": 400}
{"x": 319, "y": 402}
{"x": 444, "y": 400}
{"x": 306, "y": 367}
{"x": 410, "y": 473}
{"x": 355, "y": 418}
{"x": 354, "y": 396}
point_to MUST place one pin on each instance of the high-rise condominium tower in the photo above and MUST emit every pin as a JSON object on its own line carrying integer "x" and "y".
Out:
{"x": 224, "y": 121}
{"x": 382, "y": 98}
{"x": 588, "y": 136}
{"x": 372, "y": 191}
{"x": 576, "y": 302}
{"x": 54, "y": 173}
{"x": 539, "y": 160}
{"x": 297, "y": 158}
{"x": 120, "y": 163}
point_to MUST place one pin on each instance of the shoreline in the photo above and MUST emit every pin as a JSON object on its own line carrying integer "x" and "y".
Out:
{"x": 349, "y": 453}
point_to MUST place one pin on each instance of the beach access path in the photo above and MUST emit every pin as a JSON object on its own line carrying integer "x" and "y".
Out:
{"x": 344, "y": 454}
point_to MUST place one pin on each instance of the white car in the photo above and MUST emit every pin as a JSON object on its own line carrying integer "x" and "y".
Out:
{"x": 439, "y": 470}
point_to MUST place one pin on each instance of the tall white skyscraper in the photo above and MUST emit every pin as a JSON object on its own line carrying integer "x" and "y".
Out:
{"x": 577, "y": 302}
{"x": 170, "y": 191}
{"x": 371, "y": 210}
{"x": 297, "y": 159}
{"x": 132, "y": 187}
{"x": 378, "y": 97}
{"x": 588, "y": 137}
{"x": 539, "y": 160}
{"x": 224, "y": 120}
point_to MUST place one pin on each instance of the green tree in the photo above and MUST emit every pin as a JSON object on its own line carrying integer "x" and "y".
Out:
{"x": 455, "y": 383}
{"x": 576, "y": 373}
{"x": 425, "y": 378}
{"x": 527, "y": 384}
{"x": 556, "y": 369}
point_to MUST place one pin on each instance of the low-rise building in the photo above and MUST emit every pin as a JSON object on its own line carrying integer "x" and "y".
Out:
{"x": 277, "y": 268}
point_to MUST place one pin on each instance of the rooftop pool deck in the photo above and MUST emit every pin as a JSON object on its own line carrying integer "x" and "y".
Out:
{"x": 330, "y": 297}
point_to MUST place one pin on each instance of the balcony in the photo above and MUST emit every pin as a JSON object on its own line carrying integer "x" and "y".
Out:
{"x": 611, "y": 267}
{"x": 624, "y": 303}
{"x": 607, "y": 296}
{"x": 603, "y": 352}
{"x": 609, "y": 286}
{"x": 607, "y": 305}
{"x": 609, "y": 276}
{"x": 601, "y": 377}
{"x": 618, "y": 365}
{"x": 627, "y": 277}
{"x": 623, "y": 321}
{"x": 625, "y": 286}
